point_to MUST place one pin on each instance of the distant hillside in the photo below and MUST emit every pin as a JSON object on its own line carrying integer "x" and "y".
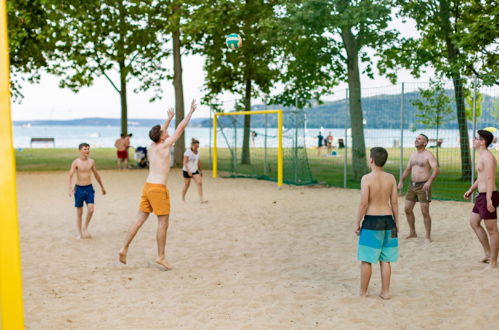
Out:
{"x": 381, "y": 111}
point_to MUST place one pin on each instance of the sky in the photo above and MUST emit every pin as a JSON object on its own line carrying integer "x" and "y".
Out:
{"x": 46, "y": 101}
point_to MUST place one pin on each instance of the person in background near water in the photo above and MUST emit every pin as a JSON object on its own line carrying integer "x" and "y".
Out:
{"x": 122, "y": 151}
{"x": 254, "y": 134}
{"x": 486, "y": 203}
{"x": 192, "y": 170}
{"x": 378, "y": 207}
{"x": 128, "y": 144}
{"x": 320, "y": 141}
{"x": 329, "y": 140}
{"x": 155, "y": 196}
{"x": 83, "y": 191}
{"x": 424, "y": 169}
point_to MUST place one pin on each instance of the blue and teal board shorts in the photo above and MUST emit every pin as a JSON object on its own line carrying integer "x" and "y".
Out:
{"x": 378, "y": 239}
{"x": 84, "y": 194}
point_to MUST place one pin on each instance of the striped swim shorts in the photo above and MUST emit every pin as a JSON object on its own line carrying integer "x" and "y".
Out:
{"x": 378, "y": 239}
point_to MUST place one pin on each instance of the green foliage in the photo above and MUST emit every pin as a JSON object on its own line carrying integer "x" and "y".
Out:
{"x": 469, "y": 105}
{"x": 433, "y": 108}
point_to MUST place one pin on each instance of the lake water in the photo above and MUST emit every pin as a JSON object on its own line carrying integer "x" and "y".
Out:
{"x": 104, "y": 137}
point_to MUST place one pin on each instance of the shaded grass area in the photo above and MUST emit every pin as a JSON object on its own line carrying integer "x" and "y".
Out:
{"x": 323, "y": 168}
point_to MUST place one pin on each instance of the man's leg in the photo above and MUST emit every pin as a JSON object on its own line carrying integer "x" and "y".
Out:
{"x": 386, "y": 273}
{"x": 90, "y": 213}
{"x": 79, "y": 213}
{"x": 141, "y": 219}
{"x": 491, "y": 226}
{"x": 187, "y": 183}
{"x": 425, "y": 210}
{"x": 409, "y": 214}
{"x": 481, "y": 234}
{"x": 365, "y": 277}
{"x": 199, "y": 182}
{"x": 161, "y": 239}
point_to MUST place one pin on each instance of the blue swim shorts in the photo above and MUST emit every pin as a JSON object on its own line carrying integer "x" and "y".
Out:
{"x": 84, "y": 194}
{"x": 378, "y": 239}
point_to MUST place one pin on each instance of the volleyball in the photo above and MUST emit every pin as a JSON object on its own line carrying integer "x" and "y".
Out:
{"x": 234, "y": 41}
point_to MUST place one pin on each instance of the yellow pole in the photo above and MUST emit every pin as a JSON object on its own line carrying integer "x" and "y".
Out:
{"x": 215, "y": 163}
{"x": 279, "y": 149}
{"x": 11, "y": 303}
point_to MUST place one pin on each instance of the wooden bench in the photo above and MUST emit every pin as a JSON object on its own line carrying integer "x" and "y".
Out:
{"x": 43, "y": 140}
{"x": 433, "y": 143}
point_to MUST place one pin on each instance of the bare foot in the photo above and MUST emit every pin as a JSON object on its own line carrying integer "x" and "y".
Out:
{"x": 204, "y": 202}
{"x": 485, "y": 260}
{"x": 490, "y": 267}
{"x": 86, "y": 234}
{"x": 411, "y": 236}
{"x": 79, "y": 236}
{"x": 123, "y": 256}
{"x": 162, "y": 262}
{"x": 427, "y": 240}
{"x": 363, "y": 294}
{"x": 385, "y": 296}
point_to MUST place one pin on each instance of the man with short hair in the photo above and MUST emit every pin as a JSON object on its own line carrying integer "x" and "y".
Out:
{"x": 83, "y": 191}
{"x": 155, "y": 196}
{"x": 424, "y": 169}
{"x": 122, "y": 151}
{"x": 487, "y": 200}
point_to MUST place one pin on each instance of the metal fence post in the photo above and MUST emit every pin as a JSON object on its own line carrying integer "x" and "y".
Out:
{"x": 474, "y": 132}
{"x": 265, "y": 144}
{"x": 401, "y": 169}
{"x": 211, "y": 125}
{"x": 345, "y": 162}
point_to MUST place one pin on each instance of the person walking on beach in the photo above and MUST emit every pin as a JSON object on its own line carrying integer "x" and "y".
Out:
{"x": 320, "y": 140}
{"x": 192, "y": 170}
{"x": 155, "y": 195}
{"x": 122, "y": 151}
{"x": 378, "y": 207}
{"x": 486, "y": 203}
{"x": 424, "y": 169}
{"x": 83, "y": 191}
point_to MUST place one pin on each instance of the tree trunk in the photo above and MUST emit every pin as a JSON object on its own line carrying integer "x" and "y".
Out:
{"x": 359, "y": 162}
{"x": 245, "y": 157}
{"x": 124, "y": 106}
{"x": 452, "y": 54}
{"x": 178, "y": 157}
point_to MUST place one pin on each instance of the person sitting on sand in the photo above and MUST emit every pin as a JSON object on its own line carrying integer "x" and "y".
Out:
{"x": 192, "y": 170}
{"x": 488, "y": 198}
{"x": 378, "y": 207}
{"x": 83, "y": 191}
{"x": 155, "y": 196}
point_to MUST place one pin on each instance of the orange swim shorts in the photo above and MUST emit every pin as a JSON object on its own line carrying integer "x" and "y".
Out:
{"x": 155, "y": 198}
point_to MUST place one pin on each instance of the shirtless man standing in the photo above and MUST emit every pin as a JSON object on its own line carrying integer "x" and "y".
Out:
{"x": 424, "y": 169}
{"x": 122, "y": 151}
{"x": 155, "y": 196}
{"x": 488, "y": 198}
{"x": 83, "y": 191}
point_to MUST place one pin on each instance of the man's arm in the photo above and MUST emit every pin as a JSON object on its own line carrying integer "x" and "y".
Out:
{"x": 490, "y": 172}
{"x": 98, "y": 178}
{"x": 470, "y": 191}
{"x": 405, "y": 173}
{"x": 364, "y": 202}
{"x": 181, "y": 126}
{"x": 171, "y": 114}
{"x": 394, "y": 203}
{"x": 72, "y": 171}
{"x": 435, "y": 171}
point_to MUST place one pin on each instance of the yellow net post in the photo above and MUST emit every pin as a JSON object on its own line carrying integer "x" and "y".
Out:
{"x": 280, "y": 170}
{"x": 11, "y": 304}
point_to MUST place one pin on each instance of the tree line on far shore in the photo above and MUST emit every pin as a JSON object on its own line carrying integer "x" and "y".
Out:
{"x": 306, "y": 46}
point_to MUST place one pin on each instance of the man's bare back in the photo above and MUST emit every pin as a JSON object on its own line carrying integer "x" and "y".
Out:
{"x": 381, "y": 185}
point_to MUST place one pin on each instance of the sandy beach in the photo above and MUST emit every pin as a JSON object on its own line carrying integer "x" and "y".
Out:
{"x": 254, "y": 257}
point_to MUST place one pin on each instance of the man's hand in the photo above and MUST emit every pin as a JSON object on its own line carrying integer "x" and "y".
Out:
{"x": 71, "y": 192}
{"x": 490, "y": 206}
{"x": 103, "y": 190}
{"x": 189, "y": 173}
{"x": 467, "y": 194}
{"x": 357, "y": 230}
{"x": 427, "y": 186}
{"x": 401, "y": 185}
{"x": 193, "y": 106}
{"x": 171, "y": 113}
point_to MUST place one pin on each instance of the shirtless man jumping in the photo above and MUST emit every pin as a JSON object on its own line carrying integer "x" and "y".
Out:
{"x": 488, "y": 198}
{"x": 424, "y": 169}
{"x": 155, "y": 196}
{"x": 83, "y": 191}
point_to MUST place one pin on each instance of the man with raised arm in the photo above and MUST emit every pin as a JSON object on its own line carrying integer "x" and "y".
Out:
{"x": 487, "y": 200}
{"x": 155, "y": 196}
{"x": 424, "y": 169}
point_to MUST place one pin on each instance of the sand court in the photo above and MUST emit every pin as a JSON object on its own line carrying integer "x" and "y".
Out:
{"x": 253, "y": 257}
